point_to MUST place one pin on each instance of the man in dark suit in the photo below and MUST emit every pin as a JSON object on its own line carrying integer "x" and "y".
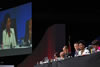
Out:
{"x": 76, "y": 46}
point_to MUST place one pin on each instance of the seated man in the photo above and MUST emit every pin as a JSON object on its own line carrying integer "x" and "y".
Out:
{"x": 9, "y": 39}
{"x": 66, "y": 52}
{"x": 96, "y": 46}
{"x": 83, "y": 51}
{"x": 62, "y": 55}
{"x": 55, "y": 56}
{"x": 76, "y": 46}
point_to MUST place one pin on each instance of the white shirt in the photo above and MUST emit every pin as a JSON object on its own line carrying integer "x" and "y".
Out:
{"x": 85, "y": 52}
{"x": 7, "y": 41}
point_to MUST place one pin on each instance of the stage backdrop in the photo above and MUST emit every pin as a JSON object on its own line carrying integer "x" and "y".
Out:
{"x": 52, "y": 41}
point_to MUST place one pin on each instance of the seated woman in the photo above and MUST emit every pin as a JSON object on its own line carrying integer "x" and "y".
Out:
{"x": 96, "y": 46}
{"x": 62, "y": 55}
{"x": 83, "y": 51}
{"x": 9, "y": 39}
{"x": 28, "y": 34}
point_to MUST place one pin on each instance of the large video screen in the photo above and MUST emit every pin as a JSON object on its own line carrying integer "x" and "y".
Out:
{"x": 16, "y": 30}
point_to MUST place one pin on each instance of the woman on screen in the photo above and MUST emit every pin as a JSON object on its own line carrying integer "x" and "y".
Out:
{"x": 28, "y": 34}
{"x": 8, "y": 33}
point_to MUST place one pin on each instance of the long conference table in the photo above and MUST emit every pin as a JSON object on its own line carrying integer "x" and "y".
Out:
{"x": 92, "y": 60}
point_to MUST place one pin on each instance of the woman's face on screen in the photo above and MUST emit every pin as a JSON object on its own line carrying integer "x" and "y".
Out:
{"x": 8, "y": 23}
